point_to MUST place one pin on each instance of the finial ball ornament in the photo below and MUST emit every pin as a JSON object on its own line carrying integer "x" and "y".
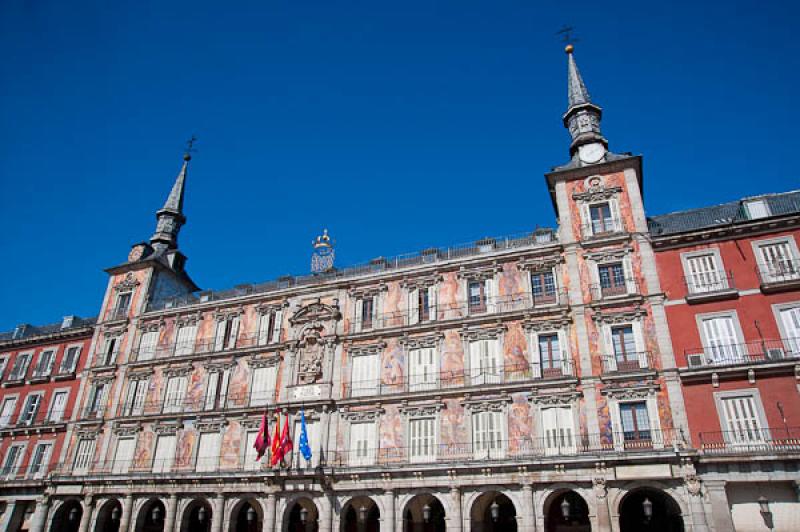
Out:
{"x": 569, "y": 48}
{"x": 187, "y": 157}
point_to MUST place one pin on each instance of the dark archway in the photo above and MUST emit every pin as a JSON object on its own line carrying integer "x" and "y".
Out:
{"x": 493, "y": 512}
{"x": 360, "y": 514}
{"x": 649, "y": 510}
{"x": 424, "y": 513}
{"x": 196, "y": 517}
{"x": 108, "y": 516}
{"x": 247, "y": 516}
{"x": 566, "y": 511}
{"x": 68, "y": 517}
{"x": 151, "y": 516}
{"x": 302, "y": 516}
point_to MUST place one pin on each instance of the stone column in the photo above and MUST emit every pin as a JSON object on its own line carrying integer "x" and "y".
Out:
{"x": 457, "y": 519}
{"x": 601, "y": 504}
{"x": 388, "y": 524}
{"x": 325, "y": 507}
{"x": 720, "y": 508}
{"x": 269, "y": 513}
{"x": 40, "y": 514}
{"x": 218, "y": 517}
{"x": 127, "y": 510}
{"x": 86, "y": 517}
{"x": 172, "y": 510}
{"x": 526, "y": 512}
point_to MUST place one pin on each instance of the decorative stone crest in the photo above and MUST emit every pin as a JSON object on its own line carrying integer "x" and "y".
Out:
{"x": 316, "y": 313}
{"x": 596, "y": 191}
{"x": 311, "y": 348}
{"x": 128, "y": 284}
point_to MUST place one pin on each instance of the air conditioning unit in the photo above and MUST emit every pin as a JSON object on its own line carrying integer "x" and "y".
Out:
{"x": 696, "y": 360}
{"x": 775, "y": 353}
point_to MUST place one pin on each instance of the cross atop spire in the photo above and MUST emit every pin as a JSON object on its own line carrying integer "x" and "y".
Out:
{"x": 170, "y": 217}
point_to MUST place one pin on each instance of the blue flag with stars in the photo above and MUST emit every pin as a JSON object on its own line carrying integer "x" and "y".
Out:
{"x": 305, "y": 448}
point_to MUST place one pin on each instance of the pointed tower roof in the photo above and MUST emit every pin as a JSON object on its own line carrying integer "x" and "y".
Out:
{"x": 576, "y": 89}
{"x": 170, "y": 217}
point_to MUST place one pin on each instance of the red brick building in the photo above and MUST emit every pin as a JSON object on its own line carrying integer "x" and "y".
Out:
{"x": 731, "y": 275}
{"x": 40, "y": 371}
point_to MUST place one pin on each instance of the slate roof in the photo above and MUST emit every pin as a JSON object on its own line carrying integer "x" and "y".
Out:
{"x": 30, "y": 331}
{"x": 730, "y": 213}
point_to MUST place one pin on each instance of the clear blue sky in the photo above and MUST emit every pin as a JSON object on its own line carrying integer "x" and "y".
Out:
{"x": 397, "y": 125}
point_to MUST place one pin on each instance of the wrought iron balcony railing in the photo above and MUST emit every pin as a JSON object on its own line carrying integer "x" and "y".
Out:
{"x": 779, "y": 272}
{"x": 431, "y": 454}
{"x": 751, "y": 441}
{"x": 617, "y": 288}
{"x": 628, "y": 362}
{"x": 746, "y": 353}
{"x": 602, "y": 228}
{"x": 709, "y": 283}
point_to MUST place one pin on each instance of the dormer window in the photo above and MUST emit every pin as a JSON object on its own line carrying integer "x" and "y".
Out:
{"x": 757, "y": 209}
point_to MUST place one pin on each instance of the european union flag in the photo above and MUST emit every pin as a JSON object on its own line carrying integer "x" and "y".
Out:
{"x": 305, "y": 448}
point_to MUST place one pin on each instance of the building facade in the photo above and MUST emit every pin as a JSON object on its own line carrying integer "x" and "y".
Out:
{"x": 731, "y": 276}
{"x": 40, "y": 371}
{"x": 518, "y": 383}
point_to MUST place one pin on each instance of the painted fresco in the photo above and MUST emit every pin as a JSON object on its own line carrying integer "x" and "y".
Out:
{"x": 143, "y": 456}
{"x": 391, "y": 428}
{"x": 515, "y": 350}
{"x": 155, "y": 392}
{"x": 452, "y": 429}
{"x": 395, "y": 311}
{"x": 510, "y": 285}
{"x": 664, "y": 411}
{"x": 604, "y": 422}
{"x": 231, "y": 444}
{"x": 449, "y": 298}
{"x": 452, "y": 359}
{"x": 393, "y": 363}
{"x": 239, "y": 385}
{"x": 185, "y": 448}
{"x": 520, "y": 426}
{"x": 195, "y": 389}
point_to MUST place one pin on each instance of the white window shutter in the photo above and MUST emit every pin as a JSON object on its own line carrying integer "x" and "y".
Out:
{"x": 276, "y": 327}
{"x": 359, "y": 314}
{"x": 536, "y": 357}
{"x": 655, "y": 426}
{"x": 413, "y": 306}
{"x": 219, "y": 338}
{"x": 234, "y": 333}
{"x": 433, "y": 305}
{"x": 211, "y": 390}
{"x": 377, "y": 309}
{"x": 613, "y": 205}
{"x": 790, "y": 318}
{"x": 475, "y": 361}
{"x": 588, "y": 230}
{"x": 491, "y": 294}
{"x": 208, "y": 451}
{"x": 123, "y": 455}
{"x": 610, "y": 355}
{"x": 563, "y": 348}
{"x": 263, "y": 327}
{"x": 630, "y": 282}
{"x": 638, "y": 339}
{"x": 165, "y": 454}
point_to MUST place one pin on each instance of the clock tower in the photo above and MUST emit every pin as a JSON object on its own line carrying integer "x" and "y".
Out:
{"x": 582, "y": 118}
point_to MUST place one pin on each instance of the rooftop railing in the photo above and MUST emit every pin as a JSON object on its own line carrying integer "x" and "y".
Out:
{"x": 745, "y": 353}
{"x": 749, "y": 441}
{"x": 497, "y": 452}
{"x": 539, "y": 237}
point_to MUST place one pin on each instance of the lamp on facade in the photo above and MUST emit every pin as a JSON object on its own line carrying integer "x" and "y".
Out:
{"x": 303, "y": 515}
{"x": 115, "y": 514}
{"x": 251, "y": 514}
{"x": 565, "y": 509}
{"x": 494, "y": 509}
{"x": 201, "y": 514}
{"x": 763, "y": 505}
{"x": 156, "y": 514}
{"x": 73, "y": 514}
{"x": 362, "y": 514}
{"x": 426, "y": 513}
{"x": 647, "y": 508}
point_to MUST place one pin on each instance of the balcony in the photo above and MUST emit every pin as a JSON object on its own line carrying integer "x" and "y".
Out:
{"x": 762, "y": 352}
{"x": 504, "y": 452}
{"x": 709, "y": 286}
{"x": 752, "y": 441}
{"x": 604, "y": 228}
{"x": 41, "y": 419}
{"x": 119, "y": 313}
{"x": 614, "y": 290}
{"x": 634, "y": 362}
{"x": 449, "y": 380}
{"x": 781, "y": 274}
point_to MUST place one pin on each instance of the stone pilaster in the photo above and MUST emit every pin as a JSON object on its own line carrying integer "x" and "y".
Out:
{"x": 269, "y": 513}
{"x": 127, "y": 510}
{"x": 388, "y": 522}
{"x": 172, "y": 510}
{"x": 720, "y": 508}
{"x": 87, "y": 517}
{"x": 456, "y": 523}
{"x": 40, "y": 514}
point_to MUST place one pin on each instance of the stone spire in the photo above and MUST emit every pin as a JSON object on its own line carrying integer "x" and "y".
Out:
{"x": 582, "y": 118}
{"x": 170, "y": 217}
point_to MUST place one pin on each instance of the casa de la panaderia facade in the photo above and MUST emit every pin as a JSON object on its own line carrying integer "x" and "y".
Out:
{"x": 519, "y": 383}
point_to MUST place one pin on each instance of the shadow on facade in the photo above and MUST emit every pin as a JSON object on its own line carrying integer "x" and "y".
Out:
{"x": 196, "y": 517}
{"x": 566, "y": 511}
{"x": 360, "y": 514}
{"x": 247, "y": 516}
{"x": 424, "y": 513}
{"x": 68, "y": 517}
{"x": 493, "y": 512}
{"x": 649, "y": 510}
{"x": 108, "y": 516}
{"x": 151, "y": 517}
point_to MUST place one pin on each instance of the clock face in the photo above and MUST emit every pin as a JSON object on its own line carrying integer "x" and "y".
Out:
{"x": 591, "y": 153}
